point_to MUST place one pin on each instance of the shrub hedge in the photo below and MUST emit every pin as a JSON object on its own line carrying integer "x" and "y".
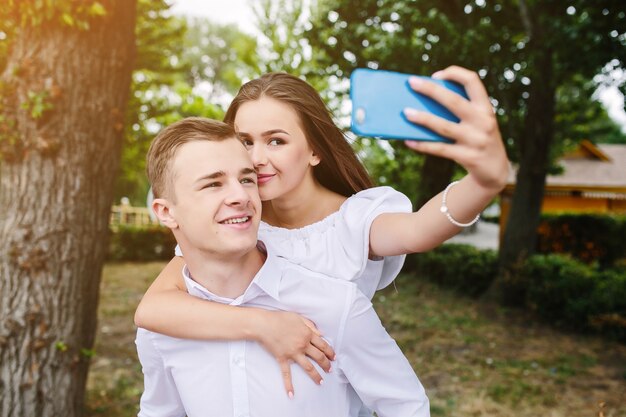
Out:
{"x": 588, "y": 237}
{"x": 129, "y": 243}
{"x": 463, "y": 268}
{"x": 559, "y": 289}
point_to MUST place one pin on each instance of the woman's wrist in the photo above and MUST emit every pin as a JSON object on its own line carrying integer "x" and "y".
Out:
{"x": 255, "y": 324}
{"x": 487, "y": 190}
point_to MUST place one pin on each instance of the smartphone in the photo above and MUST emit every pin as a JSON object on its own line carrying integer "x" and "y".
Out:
{"x": 379, "y": 98}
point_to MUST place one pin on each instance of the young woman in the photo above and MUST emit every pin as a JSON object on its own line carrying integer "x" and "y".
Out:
{"x": 321, "y": 211}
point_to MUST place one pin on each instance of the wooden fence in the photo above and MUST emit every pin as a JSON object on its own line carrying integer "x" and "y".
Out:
{"x": 127, "y": 215}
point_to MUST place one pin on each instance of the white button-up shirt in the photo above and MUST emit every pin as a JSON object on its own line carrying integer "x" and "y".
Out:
{"x": 241, "y": 379}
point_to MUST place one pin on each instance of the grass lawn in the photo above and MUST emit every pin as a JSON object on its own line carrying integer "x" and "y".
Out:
{"x": 473, "y": 359}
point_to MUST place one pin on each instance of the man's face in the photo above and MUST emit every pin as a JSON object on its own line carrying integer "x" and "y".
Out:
{"x": 217, "y": 207}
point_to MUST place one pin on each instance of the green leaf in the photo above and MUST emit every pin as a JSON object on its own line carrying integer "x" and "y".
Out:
{"x": 67, "y": 19}
{"x": 97, "y": 9}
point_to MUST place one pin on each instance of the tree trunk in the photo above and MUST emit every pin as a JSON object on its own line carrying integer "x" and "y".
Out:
{"x": 519, "y": 241}
{"x": 55, "y": 196}
{"x": 435, "y": 175}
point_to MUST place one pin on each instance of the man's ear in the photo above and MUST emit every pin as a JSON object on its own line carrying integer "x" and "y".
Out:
{"x": 162, "y": 209}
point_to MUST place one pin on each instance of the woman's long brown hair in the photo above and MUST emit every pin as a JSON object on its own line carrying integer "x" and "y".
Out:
{"x": 339, "y": 170}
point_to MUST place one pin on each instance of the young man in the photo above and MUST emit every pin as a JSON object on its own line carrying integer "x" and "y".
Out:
{"x": 205, "y": 191}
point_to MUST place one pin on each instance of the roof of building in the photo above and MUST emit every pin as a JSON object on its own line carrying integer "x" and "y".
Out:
{"x": 590, "y": 166}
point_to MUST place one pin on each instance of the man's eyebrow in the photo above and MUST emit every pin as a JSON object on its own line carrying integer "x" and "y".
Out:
{"x": 266, "y": 133}
{"x": 247, "y": 171}
{"x": 217, "y": 174}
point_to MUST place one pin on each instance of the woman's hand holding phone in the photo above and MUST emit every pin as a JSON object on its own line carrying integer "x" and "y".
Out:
{"x": 477, "y": 140}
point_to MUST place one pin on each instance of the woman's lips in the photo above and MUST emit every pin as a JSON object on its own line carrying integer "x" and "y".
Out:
{"x": 264, "y": 178}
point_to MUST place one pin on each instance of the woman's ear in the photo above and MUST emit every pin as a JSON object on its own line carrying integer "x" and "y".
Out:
{"x": 162, "y": 209}
{"x": 314, "y": 160}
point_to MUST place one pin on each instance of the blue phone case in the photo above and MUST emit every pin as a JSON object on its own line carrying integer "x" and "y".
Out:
{"x": 378, "y": 98}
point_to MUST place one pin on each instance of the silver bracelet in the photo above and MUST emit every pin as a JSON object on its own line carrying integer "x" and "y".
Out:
{"x": 444, "y": 208}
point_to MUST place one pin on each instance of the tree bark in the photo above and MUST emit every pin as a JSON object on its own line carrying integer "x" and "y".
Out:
{"x": 520, "y": 235}
{"x": 55, "y": 199}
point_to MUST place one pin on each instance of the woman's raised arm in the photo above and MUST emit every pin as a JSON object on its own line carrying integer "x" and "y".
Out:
{"x": 477, "y": 146}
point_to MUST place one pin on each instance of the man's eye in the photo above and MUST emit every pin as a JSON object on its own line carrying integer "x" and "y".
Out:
{"x": 211, "y": 185}
{"x": 248, "y": 181}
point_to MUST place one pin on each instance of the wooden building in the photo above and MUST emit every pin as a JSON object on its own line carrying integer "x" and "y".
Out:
{"x": 593, "y": 181}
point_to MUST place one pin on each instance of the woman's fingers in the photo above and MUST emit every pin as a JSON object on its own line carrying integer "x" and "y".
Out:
{"x": 311, "y": 326}
{"x": 319, "y": 356}
{"x": 320, "y": 344}
{"x": 305, "y": 363}
{"x": 285, "y": 370}
{"x": 474, "y": 87}
{"x": 445, "y": 128}
{"x": 443, "y": 150}
{"x": 454, "y": 102}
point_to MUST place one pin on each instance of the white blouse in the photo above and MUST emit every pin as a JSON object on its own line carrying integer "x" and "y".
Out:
{"x": 338, "y": 245}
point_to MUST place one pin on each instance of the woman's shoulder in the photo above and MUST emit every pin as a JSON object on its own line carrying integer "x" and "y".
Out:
{"x": 375, "y": 199}
{"x": 355, "y": 208}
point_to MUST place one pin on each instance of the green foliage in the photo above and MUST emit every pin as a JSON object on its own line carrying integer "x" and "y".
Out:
{"x": 283, "y": 46}
{"x": 579, "y": 116}
{"x": 461, "y": 267}
{"x": 492, "y": 38}
{"x": 87, "y": 353}
{"x": 561, "y": 290}
{"x": 33, "y": 13}
{"x": 37, "y": 103}
{"x": 129, "y": 243}
{"x": 174, "y": 59}
{"x": 571, "y": 294}
{"x": 220, "y": 56}
{"x": 608, "y": 313}
{"x": 587, "y": 237}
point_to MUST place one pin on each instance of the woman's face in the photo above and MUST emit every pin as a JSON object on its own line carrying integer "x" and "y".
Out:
{"x": 271, "y": 132}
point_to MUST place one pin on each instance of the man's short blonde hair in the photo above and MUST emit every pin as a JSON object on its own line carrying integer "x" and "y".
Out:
{"x": 165, "y": 145}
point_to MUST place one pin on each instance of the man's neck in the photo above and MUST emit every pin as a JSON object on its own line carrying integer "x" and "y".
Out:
{"x": 224, "y": 275}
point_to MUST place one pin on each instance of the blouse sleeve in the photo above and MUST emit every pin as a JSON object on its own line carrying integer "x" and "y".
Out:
{"x": 358, "y": 214}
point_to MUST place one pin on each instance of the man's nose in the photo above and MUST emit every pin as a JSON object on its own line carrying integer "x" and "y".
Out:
{"x": 237, "y": 194}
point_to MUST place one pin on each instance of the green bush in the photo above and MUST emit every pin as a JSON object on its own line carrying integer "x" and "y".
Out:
{"x": 129, "y": 243}
{"x": 569, "y": 293}
{"x": 588, "y": 237}
{"x": 463, "y": 268}
{"x": 608, "y": 313}
{"x": 560, "y": 290}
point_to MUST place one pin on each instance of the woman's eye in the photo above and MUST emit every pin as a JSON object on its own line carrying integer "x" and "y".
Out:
{"x": 276, "y": 141}
{"x": 246, "y": 142}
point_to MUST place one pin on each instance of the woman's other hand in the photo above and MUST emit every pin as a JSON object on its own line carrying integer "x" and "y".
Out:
{"x": 291, "y": 338}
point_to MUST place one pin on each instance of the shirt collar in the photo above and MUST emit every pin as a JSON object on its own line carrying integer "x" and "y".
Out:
{"x": 266, "y": 281}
